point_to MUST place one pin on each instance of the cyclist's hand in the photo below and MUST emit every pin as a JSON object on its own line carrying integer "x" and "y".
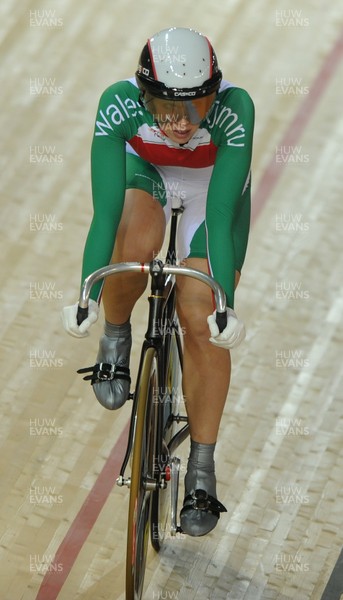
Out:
{"x": 69, "y": 321}
{"x": 231, "y": 336}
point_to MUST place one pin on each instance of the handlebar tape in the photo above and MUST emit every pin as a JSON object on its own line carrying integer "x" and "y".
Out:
{"x": 82, "y": 314}
{"x": 221, "y": 320}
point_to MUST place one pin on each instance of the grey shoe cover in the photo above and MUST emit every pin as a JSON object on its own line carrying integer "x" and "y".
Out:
{"x": 197, "y": 522}
{"x": 114, "y": 350}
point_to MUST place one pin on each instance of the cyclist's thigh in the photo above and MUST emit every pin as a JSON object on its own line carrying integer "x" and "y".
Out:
{"x": 192, "y": 239}
{"x": 142, "y": 224}
{"x": 142, "y": 175}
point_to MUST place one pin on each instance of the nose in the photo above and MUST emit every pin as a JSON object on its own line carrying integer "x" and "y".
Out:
{"x": 181, "y": 115}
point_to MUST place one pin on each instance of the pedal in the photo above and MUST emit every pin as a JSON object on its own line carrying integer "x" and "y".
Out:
{"x": 174, "y": 493}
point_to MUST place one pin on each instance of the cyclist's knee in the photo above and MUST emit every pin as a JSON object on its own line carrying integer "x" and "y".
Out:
{"x": 135, "y": 252}
{"x": 193, "y": 319}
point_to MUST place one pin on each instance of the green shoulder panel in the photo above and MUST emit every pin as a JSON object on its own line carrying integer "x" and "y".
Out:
{"x": 119, "y": 112}
{"x": 231, "y": 118}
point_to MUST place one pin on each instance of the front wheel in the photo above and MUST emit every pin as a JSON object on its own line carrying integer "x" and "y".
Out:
{"x": 142, "y": 477}
{"x": 170, "y": 405}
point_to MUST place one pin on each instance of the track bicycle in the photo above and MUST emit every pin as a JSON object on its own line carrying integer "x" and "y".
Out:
{"x": 158, "y": 424}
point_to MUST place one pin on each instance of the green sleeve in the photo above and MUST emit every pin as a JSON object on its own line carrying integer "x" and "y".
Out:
{"x": 108, "y": 174}
{"x": 229, "y": 188}
{"x": 108, "y": 189}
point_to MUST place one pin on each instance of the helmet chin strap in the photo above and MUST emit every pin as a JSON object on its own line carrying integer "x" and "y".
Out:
{"x": 141, "y": 98}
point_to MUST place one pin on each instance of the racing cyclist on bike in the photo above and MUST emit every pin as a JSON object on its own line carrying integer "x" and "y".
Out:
{"x": 176, "y": 131}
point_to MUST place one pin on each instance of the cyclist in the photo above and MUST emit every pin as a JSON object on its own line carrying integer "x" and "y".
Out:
{"x": 177, "y": 131}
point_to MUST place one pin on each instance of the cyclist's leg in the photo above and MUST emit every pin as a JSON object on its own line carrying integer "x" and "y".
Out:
{"x": 206, "y": 394}
{"x": 139, "y": 237}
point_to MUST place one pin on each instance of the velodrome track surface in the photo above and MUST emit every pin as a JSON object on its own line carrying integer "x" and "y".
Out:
{"x": 279, "y": 454}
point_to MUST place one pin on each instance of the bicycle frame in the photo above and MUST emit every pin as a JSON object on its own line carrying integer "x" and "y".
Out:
{"x": 162, "y": 297}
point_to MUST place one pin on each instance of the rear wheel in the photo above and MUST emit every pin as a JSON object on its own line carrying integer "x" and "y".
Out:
{"x": 142, "y": 477}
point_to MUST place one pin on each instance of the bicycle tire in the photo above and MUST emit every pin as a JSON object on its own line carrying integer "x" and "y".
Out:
{"x": 170, "y": 397}
{"x": 142, "y": 470}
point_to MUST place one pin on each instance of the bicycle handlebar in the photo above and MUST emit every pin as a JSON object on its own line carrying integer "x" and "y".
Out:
{"x": 136, "y": 267}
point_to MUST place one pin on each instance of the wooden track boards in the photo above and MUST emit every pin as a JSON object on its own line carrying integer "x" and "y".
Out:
{"x": 279, "y": 457}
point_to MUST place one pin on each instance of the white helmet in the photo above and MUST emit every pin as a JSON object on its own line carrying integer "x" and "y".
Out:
{"x": 178, "y": 64}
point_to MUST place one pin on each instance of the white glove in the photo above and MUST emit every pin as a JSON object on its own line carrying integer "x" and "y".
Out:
{"x": 69, "y": 321}
{"x": 231, "y": 336}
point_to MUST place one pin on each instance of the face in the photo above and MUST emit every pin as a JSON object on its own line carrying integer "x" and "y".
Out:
{"x": 179, "y": 119}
